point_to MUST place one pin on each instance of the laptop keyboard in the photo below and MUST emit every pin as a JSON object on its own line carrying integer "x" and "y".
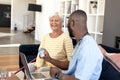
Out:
{"x": 38, "y": 75}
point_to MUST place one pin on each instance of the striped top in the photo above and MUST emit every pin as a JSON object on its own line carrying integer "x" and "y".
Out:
{"x": 59, "y": 48}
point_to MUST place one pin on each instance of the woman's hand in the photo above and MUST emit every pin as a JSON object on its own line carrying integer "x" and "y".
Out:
{"x": 47, "y": 56}
{"x": 36, "y": 69}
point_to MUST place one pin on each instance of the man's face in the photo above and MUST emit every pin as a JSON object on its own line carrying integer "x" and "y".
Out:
{"x": 70, "y": 29}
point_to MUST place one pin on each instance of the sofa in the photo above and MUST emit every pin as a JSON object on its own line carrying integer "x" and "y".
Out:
{"x": 31, "y": 50}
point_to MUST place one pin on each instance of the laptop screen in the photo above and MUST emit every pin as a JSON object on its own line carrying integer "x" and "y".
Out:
{"x": 24, "y": 62}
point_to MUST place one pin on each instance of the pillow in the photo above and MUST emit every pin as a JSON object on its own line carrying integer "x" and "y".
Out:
{"x": 112, "y": 58}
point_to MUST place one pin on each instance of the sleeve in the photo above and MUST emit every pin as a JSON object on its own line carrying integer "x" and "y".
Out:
{"x": 42, "y": 43}
{"x": 68, "y": 46}
{"x": 39, "y": 61}
{"x": 90, "y": 63}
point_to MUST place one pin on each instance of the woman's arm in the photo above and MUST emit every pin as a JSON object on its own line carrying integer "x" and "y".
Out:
{"x": 60, "y": 64}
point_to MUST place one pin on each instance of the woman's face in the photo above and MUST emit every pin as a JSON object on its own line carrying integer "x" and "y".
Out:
{"x": 55, "y": 23}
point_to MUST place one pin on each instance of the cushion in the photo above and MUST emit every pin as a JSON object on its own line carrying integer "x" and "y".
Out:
{"x": 114, "y": 60}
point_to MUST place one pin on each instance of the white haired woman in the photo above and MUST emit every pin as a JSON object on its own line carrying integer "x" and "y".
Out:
{"x": 57, "y": 43}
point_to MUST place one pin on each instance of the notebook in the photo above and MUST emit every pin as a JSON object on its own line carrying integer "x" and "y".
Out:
{"x": 35, "y": 75}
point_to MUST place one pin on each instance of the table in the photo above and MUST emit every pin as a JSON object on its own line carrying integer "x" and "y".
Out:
{"x": 13, "y": 77}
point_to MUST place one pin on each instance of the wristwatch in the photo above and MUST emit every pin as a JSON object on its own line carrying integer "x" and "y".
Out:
{"x": 57, "y": 75}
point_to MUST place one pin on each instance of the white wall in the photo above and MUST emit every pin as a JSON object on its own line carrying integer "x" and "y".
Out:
{"x": 19, "y": 9}
{"x": 42, "y": 18}
{"x": 5, "y": 1}
{"x": 111, "y": 27}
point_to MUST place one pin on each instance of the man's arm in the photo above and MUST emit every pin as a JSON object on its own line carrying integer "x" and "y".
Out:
{"x": 56, "y": 73}
{"x": 63, "y": 76}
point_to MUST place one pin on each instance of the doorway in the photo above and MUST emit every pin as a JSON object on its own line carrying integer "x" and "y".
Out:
{"x": 5, "y": 16}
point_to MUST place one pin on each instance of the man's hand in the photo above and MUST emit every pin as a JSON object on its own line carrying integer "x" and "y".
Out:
{"x": 54, "y": 71}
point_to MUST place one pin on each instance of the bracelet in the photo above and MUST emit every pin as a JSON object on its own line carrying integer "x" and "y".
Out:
{"x": 57, "y": 75}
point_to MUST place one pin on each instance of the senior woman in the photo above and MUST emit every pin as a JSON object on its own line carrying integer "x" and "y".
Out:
{"x": 57, "y": 43}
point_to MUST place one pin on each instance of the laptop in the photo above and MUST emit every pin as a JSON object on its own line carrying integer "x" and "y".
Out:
{"x": 34, "y": 75}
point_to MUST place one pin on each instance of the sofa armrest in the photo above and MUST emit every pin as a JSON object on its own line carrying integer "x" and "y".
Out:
{"x": 29, "y": 49}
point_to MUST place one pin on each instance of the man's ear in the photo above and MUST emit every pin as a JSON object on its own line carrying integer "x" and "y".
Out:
{"x": 72, "y": 23}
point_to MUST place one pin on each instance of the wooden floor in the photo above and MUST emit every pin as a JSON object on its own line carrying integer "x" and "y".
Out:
{"x": 9, "y": 54}
{"x": 9, "y": 62}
